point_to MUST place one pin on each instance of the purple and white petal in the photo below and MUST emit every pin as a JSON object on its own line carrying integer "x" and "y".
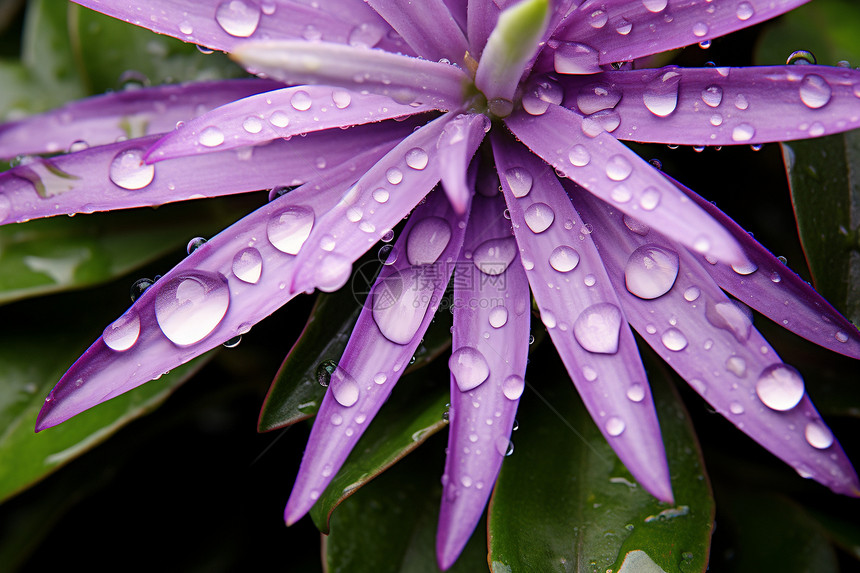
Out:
{"x": 670, "y": 299}
{"x": 720, "y": 106}
{"x": 126, "y": 114}
{"x": 391, "y": 325}
{"x": 224, "y": 24}
{"x": 427, "y": 26}
{"x": 373, "y": 206}
{"x": 623, "y": 30}
{"x": 218, "y": 292}
{"x": 581, "y": 311}
{"x": 404, "y": 79}
{"x": 455, "y": 147}
{"x": 116, "y": 177}
{"x": 777, "y": 292}
{"x": 277, "y": 114}
{"x": 583, "y": 151}
{"x": 488, "y": 365}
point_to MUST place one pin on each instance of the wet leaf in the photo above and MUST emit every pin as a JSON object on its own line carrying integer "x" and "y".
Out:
{"x": 565, "y": 502}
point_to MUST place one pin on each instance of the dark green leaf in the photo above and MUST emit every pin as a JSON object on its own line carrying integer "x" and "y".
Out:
{"x": 824, "y": 176}
{"x": 389, "y": 526}
{"x": 843, "y": 531}
{"x": 565, "y": 502}
{"x": 411, "y": 415}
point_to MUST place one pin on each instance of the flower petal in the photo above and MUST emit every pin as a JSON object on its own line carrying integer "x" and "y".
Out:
{"x": 722, "y": 106}
{"x": 427, "y": 26}
{"x": 115, "y": 177}
{"x": 482, "y": 16}
{"x": 277, "y": 114}
{"x": 456, "y": 147}
{"x": 779, "y": 293}
{"x": 612, "y": 172}
{"x": 491, "y": 334}
{"x": 582, "y": 314}
{"x": 623, "y": 30}
{"x": 104, "y": 119}
{"x": 380, "y": 199}
{"x": 218, "y": 292}
{"x": 711, "y": 342}
{"x": 390, "y": 327}
{"x": 224, "y": 24}
{"x": 404, "y": 79}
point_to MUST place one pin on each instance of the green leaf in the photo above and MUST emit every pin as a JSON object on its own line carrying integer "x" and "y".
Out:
{"x": 565, "y": 502}
{"x": 411, "y": 415}
{"x": 843, "y": 531}
{"x": 824, "y": 176}
{"x": 389, "y": 526}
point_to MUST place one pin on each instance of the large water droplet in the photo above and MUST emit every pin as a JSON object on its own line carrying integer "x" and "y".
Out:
{"x": 615, "y": 426}
{"x": 123, "y": 332}
{"x": 674, "y": 339}
{"x": 745, "y": 11}
{"x": 576, "y": 58}
{"x": 655, "y": 6}
{"x": 190, "y": 306}
{"x": 712, "y": 95}
{"x": 400, "y": 302}
{"x": 700, "y": 29}
{"x": 128, "y": 170}
{"x": 563, "y": 258}
{"x": 513, "y": 387}
{"x": 737, "y": 366}
{"x": 427, "y": 240}
{"x": 469, "y": 368}
{"x": 238, "y": 18}
{"x": 623, "y": 26}
{"x": 731, "y": 317}
{"x": 252, "y": 124}
{"x": 332, "y": 272}
{"x": 365, "y": 35}
{"x": 248, "y": 265}
{"x": 815, "y": 92}
{"x": 598, "y": 19}
{"x": 743, "y": 132}
{"x": 540, "y": 92}
{"x": 344, "y": 388}
{"x": 579, "y": 155}
{"x": 539, "y": 217}
{"x": 661, "y": 94}
{"x": 498, "y": 316}
{"x": 211, "y": 137}
{"x": 651, "y": 271}
{"x": 301, "y": 101}
{"x": 780, "y": 387}
{"x": 289, "y": 228}
{"x": 519, "y": 180}
{"x": 618, "y": 168}
{"x": 818, "y": 435}
{"x": 341, "y": 99}
{"x": 492, "y": 257}
{"x": 636, "y": 393}
{"x": 417, "y": 158}
{"x": 324, "y": 372}
{"x": 606, "y": 120}
{"x": 598, "y": 327}
{"x": 597, "y": 97}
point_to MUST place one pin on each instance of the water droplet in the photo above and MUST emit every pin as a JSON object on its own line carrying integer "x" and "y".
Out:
{"x": 841, "y": 336}
{"x": 380, "y": 195}
{"x": 737, "y": 366}
{"x": 712, "y": 95}
{"x": 301, "y": 101}
{"x": 238, "y": 18}
{"x": 589, "y": 280}
{"x": 745, "y": 11}
{"x": 324, "y": 372}
{"x": 674, "y": 339}
{"x": 336, "y": 419}
{"x": 233, "y": 342}
{"x": 427, "y": 240}
{"x": 736, "y": 408}
{"x": 692, "y": 294}
{"x": 598, "y": 327}
{"x": 341, "y": 99}
{"x": 344, "y": 388}
{"x": 380, "y": 378}
{"x": 186, "y": 28}
{"x": 579, "y": 156}
{"x": 332, "y": 272}
{"x": 655, "y": 6}
{"x": 394, "y": 176}
{"x": 400, "y": 302}
{"x": 700, "y": 29}
{"x": 191, "y": 305}
{"x": 248, "y": 265}
{"x": 211, "y": 137}
{"x": 598, "y": 19}
{"x": 607, "y": 120}
{"x": 743, "y": 132}
{"x": 540, "y": 92}
{"x": 650, "y": 199}
{"x": 498, "y": 316}
{"x": 815, "y": 92}
{"x": 615, "y": 426}
{"x": 469, "y": 368}
{"x": 651, "y": 271}
{"x": 575, "y": 58}
{"x": 252, "y": 124}
{"x": 539, "y": 217}
{"x": 818, "y": 435}
{"x": 123, "y": 332}
{"x": 513, "y": 387}
{"x": 492, "y": 257}
{"x": 618, "y": 168}
{"x": 127, "y": 170}
{"x": 731, "y": 317}
{"x": 519, "y": 180}
{"x": 661, "y": 94}
{"x": 365, "y": 36}
{"x": 746, "y": 268}
{"x": 780, "y": 387}
{"x": 564, "y": 259}
{"x": 195, "y": 244}
{"x": 801, "y": 57}
{"x": 279, "y": 118}
{"x": 716, "y": 120}
{"x": 597, "y": 97}
{"x": 741, "y": 102}
{"x": 636, "y": 392}
{"x": 417, "y": 158}
{"x": 289, "y": 228}
{"x": 623, "y": 27}
{"x": 139, "y": 287}
{"x": 504, "y": 446}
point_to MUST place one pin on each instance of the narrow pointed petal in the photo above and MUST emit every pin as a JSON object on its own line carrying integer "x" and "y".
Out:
{"x": 222, "y": 25}
{"x": 623, "y": 30}
{"x": 427, "y": 26}
{"x": 613, "y": 173}
{"x": 511, "y": 46}
{"x": 374, "y": 205}
{"x": 680, "y": 311}
{"x": 582, "y": 313}
{"x": 217, "y": 293}
{"x": 135, "y": 113}
{"x": 277, "y": 114}
{"x": 391, "y": 325}
{"x": 456, "y": 147}
{"x": 777, "y": 292}
{"x": 482, "y": 16}
{"x": 721, "y": 106}
{"x": 490, "y": 348}
{"x": 115, "y": 176}
{"x": 404, "y": 79}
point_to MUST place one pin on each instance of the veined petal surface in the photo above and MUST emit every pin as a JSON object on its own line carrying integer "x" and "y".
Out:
{"x": 456, "y": 147}
{"x": 427, "y": 26}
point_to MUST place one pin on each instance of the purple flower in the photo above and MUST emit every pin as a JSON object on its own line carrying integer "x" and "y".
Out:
{"x": 390, "y": 98}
